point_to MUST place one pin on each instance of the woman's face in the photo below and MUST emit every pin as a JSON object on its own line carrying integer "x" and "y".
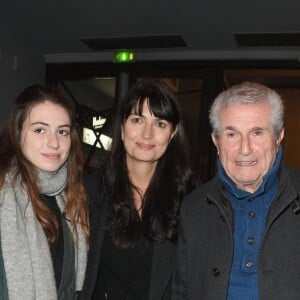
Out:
{"x": 45, "y": 136}
{"x": 146, "y": 137}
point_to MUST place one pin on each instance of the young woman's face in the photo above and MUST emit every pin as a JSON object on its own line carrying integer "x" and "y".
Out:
{"x": 146, "y": 137}
{"x": 45, "y": 136}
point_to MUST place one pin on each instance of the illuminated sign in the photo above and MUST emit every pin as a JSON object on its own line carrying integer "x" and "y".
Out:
{"x": 124, "y": 56}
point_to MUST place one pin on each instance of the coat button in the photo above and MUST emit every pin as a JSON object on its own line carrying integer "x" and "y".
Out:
{"x": 208, "y": 201}
{"x": 251, "y": 214}
{"x": 216, "y": 271}
{"x": 249, "y": 264}
{"x": 222, "y": 218}
{"x": 250, "y": 240}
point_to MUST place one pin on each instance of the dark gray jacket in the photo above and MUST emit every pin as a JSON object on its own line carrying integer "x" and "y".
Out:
{"x": 205, "y": 247}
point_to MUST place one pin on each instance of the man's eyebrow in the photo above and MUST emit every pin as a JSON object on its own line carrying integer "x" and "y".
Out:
{"x": 236, "y": 129}
{"x": 230, "y": 128}
{"x": 258, "y": 128}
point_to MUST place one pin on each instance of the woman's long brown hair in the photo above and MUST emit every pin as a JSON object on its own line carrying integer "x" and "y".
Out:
{"x": 11, "y": 156}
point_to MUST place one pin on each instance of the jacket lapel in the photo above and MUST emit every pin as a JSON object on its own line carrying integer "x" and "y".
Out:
{"x": 98, "y": 221}
{"x": 163, "y": 263}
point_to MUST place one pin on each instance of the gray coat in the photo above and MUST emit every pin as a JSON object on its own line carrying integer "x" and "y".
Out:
{"x": 67, "y": 285}
{"x": 205, "y": 247}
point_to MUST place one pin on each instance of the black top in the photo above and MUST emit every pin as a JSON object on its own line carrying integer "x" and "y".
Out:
{"x": 57, "y": 247}
{"x": 117, "y": 265}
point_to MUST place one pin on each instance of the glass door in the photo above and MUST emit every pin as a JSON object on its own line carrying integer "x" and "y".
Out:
{"x": 97, "y": 89}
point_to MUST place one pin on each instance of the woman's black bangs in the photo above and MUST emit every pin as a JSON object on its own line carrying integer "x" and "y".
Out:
{"x": 159, "y": 107}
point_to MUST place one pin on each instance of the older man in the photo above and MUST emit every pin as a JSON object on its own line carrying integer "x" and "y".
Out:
{"x": 240, "y": 232}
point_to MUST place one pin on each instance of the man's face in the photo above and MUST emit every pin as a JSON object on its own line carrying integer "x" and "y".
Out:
{"x": 247, "y": 145}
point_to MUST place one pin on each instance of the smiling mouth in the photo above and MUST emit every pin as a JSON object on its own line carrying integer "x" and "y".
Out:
{"x": 52, "y": 156}
{"x": 246, "y": 163}
{"x": 145, "y": 146}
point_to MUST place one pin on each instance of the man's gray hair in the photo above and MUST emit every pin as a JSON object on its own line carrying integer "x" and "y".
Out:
{"x": 248, "y": 93}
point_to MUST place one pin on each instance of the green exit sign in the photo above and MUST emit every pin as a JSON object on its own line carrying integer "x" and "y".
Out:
{"x": 124, "y": 56}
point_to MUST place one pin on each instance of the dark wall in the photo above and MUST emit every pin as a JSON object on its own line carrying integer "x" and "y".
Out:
{"x": 20, "y": 66}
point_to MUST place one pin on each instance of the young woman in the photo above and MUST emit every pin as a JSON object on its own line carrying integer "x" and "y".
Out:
{"x": 43, "y": 212}
{"x": 135, "y": 199}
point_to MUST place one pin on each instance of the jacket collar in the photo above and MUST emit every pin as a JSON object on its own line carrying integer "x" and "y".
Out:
{"x": 286, "y": 196}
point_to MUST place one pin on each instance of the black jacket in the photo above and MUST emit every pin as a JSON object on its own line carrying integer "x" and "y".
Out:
{"x": 205, "y": 246}
{"x": 163, "y": 260}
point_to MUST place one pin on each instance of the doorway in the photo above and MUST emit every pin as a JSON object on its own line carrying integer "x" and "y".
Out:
{"x": 100, "y": 86}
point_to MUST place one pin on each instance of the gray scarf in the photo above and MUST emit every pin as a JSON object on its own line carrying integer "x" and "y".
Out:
{"x": 26, "y": 255}
{"x": 52, "y": 183}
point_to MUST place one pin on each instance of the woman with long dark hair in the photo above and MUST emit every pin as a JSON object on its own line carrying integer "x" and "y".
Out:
{"x": 135, "y": 198}
{"x": 43, "y": 210}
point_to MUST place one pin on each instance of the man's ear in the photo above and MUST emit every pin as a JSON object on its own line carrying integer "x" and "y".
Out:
{"x": 214, "y": 139}
{"x": 280, "y": 137}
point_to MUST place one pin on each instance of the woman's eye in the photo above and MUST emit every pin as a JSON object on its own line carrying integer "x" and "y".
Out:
{"x": 39, "y": 130}
{"x": 64, "y": 132}
{"x": 136, "y": 120}
{"x": 161, "y": 124}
